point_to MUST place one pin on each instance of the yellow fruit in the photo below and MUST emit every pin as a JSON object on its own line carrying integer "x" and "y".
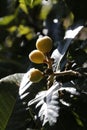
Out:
{"x": 37, "y": 56}
{"x": 44, "y": 44}
{"x": 35, "y": 75}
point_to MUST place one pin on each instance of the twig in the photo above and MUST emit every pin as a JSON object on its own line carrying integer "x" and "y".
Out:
{"x": 67, "y": 72}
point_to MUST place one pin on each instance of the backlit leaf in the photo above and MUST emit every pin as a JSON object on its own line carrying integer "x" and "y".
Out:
{"x": 6, "y": 19}
{"x": 23, "y": 6}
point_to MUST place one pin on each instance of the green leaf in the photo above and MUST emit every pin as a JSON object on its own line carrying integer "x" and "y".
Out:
{"x": 12, "y": 28}
{"x": 8, "y": 93}
{"x": 23, "y": 30}
{"x": 23, "y": 6}
{"x": 32, "y": 3}
{"x": 77, "y": 118}
{"x": 45, "y": 11}
{"x": 7, "y": 102}
{"x": 6, "y": 19}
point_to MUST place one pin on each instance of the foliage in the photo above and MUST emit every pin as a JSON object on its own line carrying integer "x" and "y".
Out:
{"x": 37, "y": 106}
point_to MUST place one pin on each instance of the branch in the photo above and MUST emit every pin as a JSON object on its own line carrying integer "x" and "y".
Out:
{"x": 68, "y": 72}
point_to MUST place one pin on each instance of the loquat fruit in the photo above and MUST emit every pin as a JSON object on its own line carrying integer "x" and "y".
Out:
{"x": 37, "y": 56}
{"x": 35, "y": 75}
{"x": 44, "y": 44}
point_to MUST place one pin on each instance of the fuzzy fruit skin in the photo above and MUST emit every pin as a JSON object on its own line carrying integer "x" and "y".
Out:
{"x": 37, "y": 56}
{"x": 35, "y": 75}
{"x": 44, "y": 44}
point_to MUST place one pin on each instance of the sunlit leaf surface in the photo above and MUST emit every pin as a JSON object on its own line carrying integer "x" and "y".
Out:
{"x": 6, "y": 19}
{"x": 48, "y": 103}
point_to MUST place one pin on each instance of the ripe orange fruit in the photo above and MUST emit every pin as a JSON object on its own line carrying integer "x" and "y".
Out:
{"x": 44, "y": 44}
{"x": 37, "y": 56}
{"x": 35, "y": 75}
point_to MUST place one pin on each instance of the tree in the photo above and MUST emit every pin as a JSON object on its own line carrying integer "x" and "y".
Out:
{"x": 59, "y": 99}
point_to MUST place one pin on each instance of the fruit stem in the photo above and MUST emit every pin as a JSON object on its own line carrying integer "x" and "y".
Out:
{"x": 50, "y": 80}
{"x": 49, "y": 61}
{"x": 67, "y": 72}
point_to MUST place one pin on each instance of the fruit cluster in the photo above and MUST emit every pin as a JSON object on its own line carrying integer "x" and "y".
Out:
{"x": 39, "y": 56}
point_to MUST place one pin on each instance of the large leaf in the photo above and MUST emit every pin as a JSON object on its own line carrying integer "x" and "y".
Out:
{"x": 48, "y": 103}
{"x": 7, "y": 102}
{"x": 8, "y": 95}
{"x": 63, "y": 45}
